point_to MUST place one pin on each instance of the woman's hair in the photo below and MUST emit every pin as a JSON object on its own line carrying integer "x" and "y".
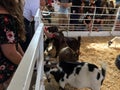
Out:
{"x": 15, "y": 10}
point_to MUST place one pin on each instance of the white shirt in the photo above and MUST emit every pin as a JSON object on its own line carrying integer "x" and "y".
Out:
{"x": 30, "y": 8}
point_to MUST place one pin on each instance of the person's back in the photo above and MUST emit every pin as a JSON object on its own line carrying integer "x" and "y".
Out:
{"x": 29, "y": 11}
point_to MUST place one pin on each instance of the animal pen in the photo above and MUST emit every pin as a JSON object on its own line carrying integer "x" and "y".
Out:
{"x": 94, "y": 45}
{"x": 94, "y": 49}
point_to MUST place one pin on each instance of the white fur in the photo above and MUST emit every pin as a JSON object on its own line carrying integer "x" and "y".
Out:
{"x": 85, "y": 78}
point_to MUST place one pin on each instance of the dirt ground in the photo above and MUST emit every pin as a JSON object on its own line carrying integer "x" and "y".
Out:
{"x": 95, "y": 50}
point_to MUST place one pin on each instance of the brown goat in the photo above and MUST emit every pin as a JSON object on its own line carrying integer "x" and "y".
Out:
{"x": 59, "y": 41}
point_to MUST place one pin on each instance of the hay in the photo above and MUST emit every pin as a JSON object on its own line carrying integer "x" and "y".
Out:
{"x": 95, "y": 50}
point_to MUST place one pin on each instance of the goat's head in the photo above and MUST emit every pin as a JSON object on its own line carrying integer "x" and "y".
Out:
{"x": 48, "y": 68}
{"x": 55, "y": 44}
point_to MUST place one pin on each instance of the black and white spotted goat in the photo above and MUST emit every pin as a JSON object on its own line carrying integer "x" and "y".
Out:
{"x": 77, "y": 74}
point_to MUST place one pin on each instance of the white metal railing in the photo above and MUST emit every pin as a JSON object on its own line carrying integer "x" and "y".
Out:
{"x": 107, "y": 28}
{"x": 23, "y": 75}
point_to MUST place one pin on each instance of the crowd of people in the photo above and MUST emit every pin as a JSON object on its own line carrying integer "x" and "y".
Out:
{"x": 99, "y": 11}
